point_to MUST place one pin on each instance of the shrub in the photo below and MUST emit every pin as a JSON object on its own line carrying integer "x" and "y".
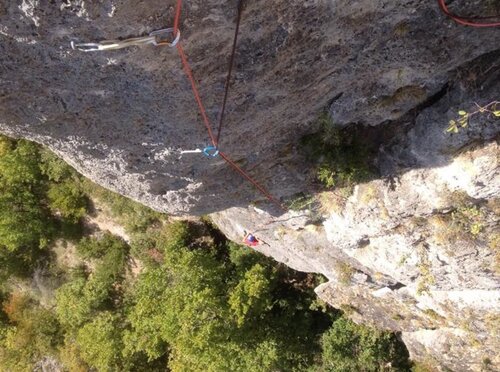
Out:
{"x": 342, "y": 160}
{"x": 344, "y": 272}
{"x": 465, "y": 223}
{"x": 78, "y": 300}
{"x": 135, "y": 217}
{"x": 143, "y": 247}
{"x": 97, "y": 247}
{"x": 72, "y": 307}
{"x": 68, "y": 199}
{"x": 350, "y": 347}
{"x": 20, "y": 166}
{"x": 99, "y": 343}
{"x": 33, "y": 333}
{"x": 54, "y": 168}
{"x": 251, "y": 296}
{"x": 177, "y": 235}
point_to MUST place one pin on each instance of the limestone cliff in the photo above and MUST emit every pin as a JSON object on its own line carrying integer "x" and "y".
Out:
{"x": 413, "y": 250}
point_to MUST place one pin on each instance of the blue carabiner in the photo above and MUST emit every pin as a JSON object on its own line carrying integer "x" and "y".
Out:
{"x": 211, "y": 151}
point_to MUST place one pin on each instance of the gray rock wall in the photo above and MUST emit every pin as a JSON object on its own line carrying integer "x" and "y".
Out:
{"x": 395, "y": 71}
{"x": 121, "y": 117}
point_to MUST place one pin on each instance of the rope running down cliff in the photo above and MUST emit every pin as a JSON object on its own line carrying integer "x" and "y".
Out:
{"x": 206, "y": 121}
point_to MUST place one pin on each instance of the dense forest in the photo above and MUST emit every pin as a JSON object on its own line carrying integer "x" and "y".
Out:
{"x": 177, "y": 296}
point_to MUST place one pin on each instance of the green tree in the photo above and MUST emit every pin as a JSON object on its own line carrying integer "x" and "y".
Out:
{"x": 25, "y": 224}
{"x": 348, "y": 346}
{"x": 78, "y": 300}
{"x": 98, "y": 247}
{"x": 251, "y": 296}
{"x": 32, "y": 332}
{"x": 99, "y": 342}
{"x": 54, "y": 168}
{"x": 211, "y": 304}
{"x": 20, "y": 166}
{"x": 68, "y": 200}
{"x": 73, "y": 308}
{"x": 69, "y": 355}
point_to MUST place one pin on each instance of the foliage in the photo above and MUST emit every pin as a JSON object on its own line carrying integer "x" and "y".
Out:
{"x": 424, "y": 266}
{"x": 98, "y": 247}
{"x": 466, "y": 222}
{"x": 22, "y": 221}
{"x": 344, "y": 272}
{"x": 68, "y": 199}
{"x": 6, "y": 146}
{"x": 342, "y": 160}
{"x": 301, "y": 202}
{"x": 135, "y": 217}
{"x": 31, "y": 180}
{"x": 143, "y": 247}
{"x": 25, "y": 224}
{"x": 212, "y": 304}
{"x": 73, "y": 308}
{"x": 69, "y": 355}
{"x": 464, "y": 117}
{"x": 55, "y": 168}
{"x": 65, "y": 194}
{"x": 351, "y": 347}
{"x": 190, "y": 298}
{"x": 19, "y": 167}
{"x": 200, "y": 303}
{"x": 99, "y": 342}
{"x": 79, "y": 299}
{"x": 251, "y": 296}
{"x": 469, "y": 218}
{"x": 33, "y": 332}
{"x": 242, "y": 258}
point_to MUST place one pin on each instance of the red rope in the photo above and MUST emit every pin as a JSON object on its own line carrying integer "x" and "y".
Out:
{"x": 177, "y": 16}
{"x": 466, "y": 21}
{"x": 251, "y": 180}
{"x": 189, "y": 73}
{"x": 196, "y": 93}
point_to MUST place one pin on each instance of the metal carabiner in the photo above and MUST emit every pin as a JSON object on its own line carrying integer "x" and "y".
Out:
{"x": 197, "y": 151}
{"x": 156, "y": 38}
{"x": 211, "y": 151}
{"x": 114, "y": 44}
{"x": 165, "y": 31}
{"x": 85, "y": 47}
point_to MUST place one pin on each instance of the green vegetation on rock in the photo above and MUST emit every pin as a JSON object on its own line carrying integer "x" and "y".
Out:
{"x": 341, "y": 159}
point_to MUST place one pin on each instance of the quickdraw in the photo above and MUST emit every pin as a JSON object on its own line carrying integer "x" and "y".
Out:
{"x": 155, "y": 38}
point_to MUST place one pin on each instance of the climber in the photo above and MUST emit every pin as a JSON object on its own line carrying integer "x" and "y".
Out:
{"x": 250, "y": 240}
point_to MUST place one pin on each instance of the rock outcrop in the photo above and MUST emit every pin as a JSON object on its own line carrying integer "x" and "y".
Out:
{"x": 414, "y": 250}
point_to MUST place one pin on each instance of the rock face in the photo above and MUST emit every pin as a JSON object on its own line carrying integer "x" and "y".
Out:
{"x": 409, "y": 251}
{"x": 415, "y": 251}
